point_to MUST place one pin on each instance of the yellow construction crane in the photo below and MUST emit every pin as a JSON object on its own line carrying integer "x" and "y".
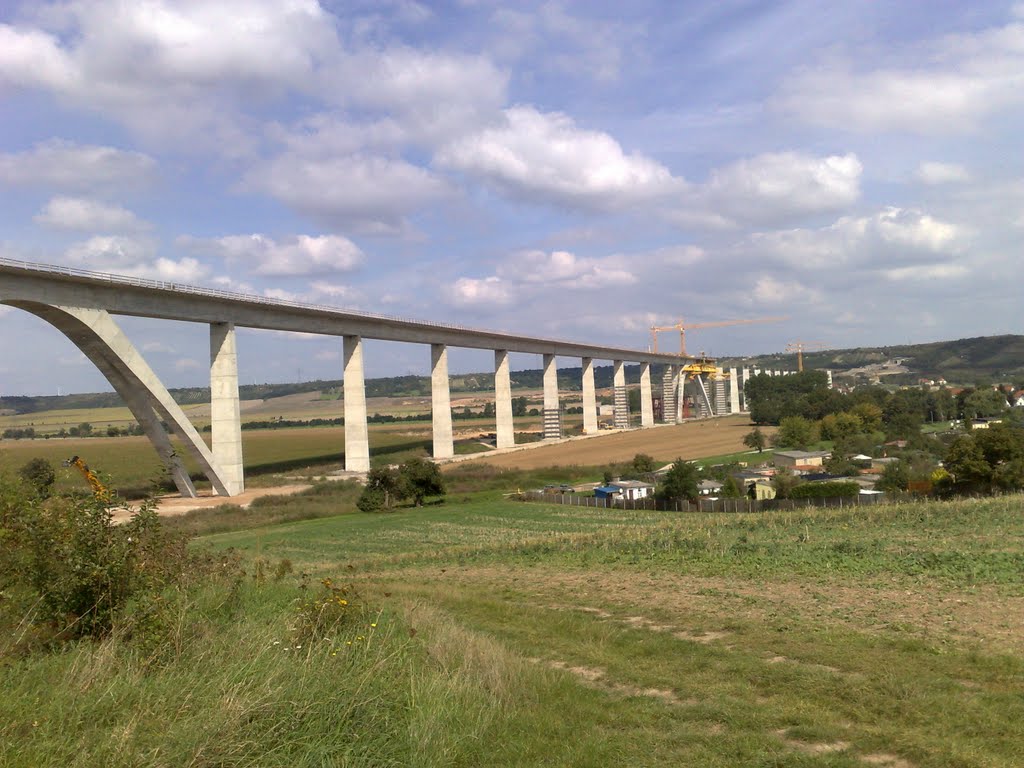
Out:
{"x": 684, "y": 327}
{"x": 99, "y": 490}
{"x": 800, "y": 347}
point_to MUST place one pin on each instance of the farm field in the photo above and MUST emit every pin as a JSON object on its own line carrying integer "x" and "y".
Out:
{"x": 499, "y": 633}
{"x": 694, "y": 439}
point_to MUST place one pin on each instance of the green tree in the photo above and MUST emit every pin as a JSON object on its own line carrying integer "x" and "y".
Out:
{"x": 755, "y": 439}
{"x": 982, "y": 403}
{"x": 796, "y": 432}
{"x": 895, "y": 478}
{"x": 420, "y": 478}
{"x": 680, "y": 482}
{"x": 784, "y": 481}
{"x": 383, "y": 490}
{"x": 519, "y": 406}
{"x": 643, "y": 464}
{"x": 40, "y": 475}
{"x": 965, "y": 461}
{"x": 730, "y": 489}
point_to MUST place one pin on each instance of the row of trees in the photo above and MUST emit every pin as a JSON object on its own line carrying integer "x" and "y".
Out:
{"x": 901, "y": 413}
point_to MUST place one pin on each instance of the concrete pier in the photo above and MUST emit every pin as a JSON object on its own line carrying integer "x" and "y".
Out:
{"x": 646, "y": 396}
{"x": 225, "y": 415}
{"x": 620, "y": 397}
{"x": 504, "y": 425}
{"x": 552, "y": 414}
{"x": 441, "y": 402}
{"x": 589, "y": 397}
{"x": 357, "y": 437}
{"x": 669, "y": 394}
{"x": 734, "y": 391}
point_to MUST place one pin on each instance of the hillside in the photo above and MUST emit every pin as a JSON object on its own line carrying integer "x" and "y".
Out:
{"x": 984, "y": 359}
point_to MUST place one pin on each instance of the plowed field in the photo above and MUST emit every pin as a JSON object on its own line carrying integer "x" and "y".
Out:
{"x": 692, "y": 440}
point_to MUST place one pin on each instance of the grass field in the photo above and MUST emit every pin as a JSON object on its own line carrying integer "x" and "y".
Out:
{"x": 498, "y": 633}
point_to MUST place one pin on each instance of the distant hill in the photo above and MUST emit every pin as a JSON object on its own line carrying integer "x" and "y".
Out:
{"x": 965, "y": 362}
{"x": 980, "y": 360}
{"x": 569, "y": 379}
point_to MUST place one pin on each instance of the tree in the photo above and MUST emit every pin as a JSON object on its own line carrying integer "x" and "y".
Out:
{"x": 383, "y": 490}
{"x": 796, "y": 432}
{"x": 519, "y": 406}
{"x": 643, "y": 464}
{"x": 755, "y": 439}
{"x": 895, "y": 478}
{"x": 784, "y": 481}
{"x": 39, "y": 474}
{"x": 730, "y": 489}
{"x": 984, "y": 402}
{"x": 680, "y": 482}
{"x": 965, "y": 461}
{"x": 420, "y": 478}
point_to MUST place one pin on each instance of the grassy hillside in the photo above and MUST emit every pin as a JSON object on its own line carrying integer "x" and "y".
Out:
{"x": 963, "y": 361}
{"x": 494, "y": 633}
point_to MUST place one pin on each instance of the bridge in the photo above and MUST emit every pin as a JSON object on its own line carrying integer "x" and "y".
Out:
{"x": 82, "y": 304}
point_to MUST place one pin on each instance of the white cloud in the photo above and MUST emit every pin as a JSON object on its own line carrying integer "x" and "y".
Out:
{"x": 563, "y": 267}
{"x": 33, "y": 58}
{"x": 546, "y": 155}
{"x": 67, "y": 165}
{"x": 85, "y": 215}
{"x": 133, "y": 257}
{"x": 298, "y": 255}
{"x": 368, "y": 193}
{"x": 931, "y": 172}
{"x": 774, "y": 187}
{"x": 488, "y": 291}
{"x": 889, "y": 239}
{"x": 769, "y": 290}
{"x": 159, "y": 347}
{"x": 960, "y": 80}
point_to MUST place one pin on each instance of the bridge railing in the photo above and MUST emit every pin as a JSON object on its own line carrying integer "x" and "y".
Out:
{"x": 145, "y": 282}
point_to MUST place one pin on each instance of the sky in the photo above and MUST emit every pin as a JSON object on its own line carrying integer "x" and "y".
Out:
{"x": 577, "y": 170}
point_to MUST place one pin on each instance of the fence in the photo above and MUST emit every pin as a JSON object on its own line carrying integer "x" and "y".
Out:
{"x": 703, "y": 505}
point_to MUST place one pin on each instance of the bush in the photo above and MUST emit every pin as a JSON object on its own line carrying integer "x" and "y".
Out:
{"x": 830, "y": 490}
{"x": 69, "y": 570}
{"x": 40, "y": 475}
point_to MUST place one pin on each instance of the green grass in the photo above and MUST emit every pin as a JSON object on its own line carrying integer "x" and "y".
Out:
{"x": 512, "y": 634}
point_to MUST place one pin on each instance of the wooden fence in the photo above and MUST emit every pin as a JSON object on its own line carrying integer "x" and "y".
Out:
{"x": 704, "y": 505}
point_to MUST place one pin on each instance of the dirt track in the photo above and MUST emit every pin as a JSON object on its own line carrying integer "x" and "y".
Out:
{"x": 693, "y": 440}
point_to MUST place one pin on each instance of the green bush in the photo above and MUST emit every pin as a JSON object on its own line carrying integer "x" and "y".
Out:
{"x": 69, "y": 571}
{"x": 830, "y": 490}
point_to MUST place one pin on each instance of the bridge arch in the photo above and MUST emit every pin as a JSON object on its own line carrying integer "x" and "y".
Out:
{"x": 101, "y": 340}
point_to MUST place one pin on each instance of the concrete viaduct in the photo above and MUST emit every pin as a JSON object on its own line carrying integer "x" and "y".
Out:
{"x": 80, "y": 304}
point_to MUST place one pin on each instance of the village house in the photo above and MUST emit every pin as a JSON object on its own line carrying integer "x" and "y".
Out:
{"x": 627, "y": 490}
{"x": 801, "y": 461}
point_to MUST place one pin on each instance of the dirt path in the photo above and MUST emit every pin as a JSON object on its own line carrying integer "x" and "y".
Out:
{"x": 168, "y": 506}
{"x": 692, "y": 440}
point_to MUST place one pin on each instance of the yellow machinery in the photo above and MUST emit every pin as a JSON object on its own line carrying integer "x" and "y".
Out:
{"x": 800, "y": 347}
{"x": 99, "y": 490}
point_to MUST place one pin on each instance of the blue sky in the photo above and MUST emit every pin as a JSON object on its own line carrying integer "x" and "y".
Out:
{"x": 578, "y": 170}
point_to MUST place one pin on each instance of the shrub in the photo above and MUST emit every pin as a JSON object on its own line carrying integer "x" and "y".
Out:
{"x": 830, "y": 490}
{"x": 39, "y": 474}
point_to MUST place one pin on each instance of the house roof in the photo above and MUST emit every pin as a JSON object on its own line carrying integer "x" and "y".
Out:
{"x": 630, "y": 484}
{"x": 802, "y": 454}
{"x": 709, "y": 485}
{"x": 860, "y": 457}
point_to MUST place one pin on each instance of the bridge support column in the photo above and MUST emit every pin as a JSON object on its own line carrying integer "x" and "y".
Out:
{"x": 620, "y": 397}
{"x": 552, "y": 413}
{"x": 589, "y": 398}
{"x": 743, "y": 390}
{"x": 734, "y": 391}
{"x": 669, "y": 392}
{"x": 646, "y": 397}
{"x": 441, "y": 402}
{"x": 357, "y": 436}
{"x": 225, "y": 415}
{"x": 504, "y": 425}
{"x": 721, "y": 396}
